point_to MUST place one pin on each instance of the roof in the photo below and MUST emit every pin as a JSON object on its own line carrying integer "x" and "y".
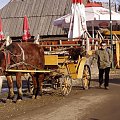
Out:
{"x": 40, "y": 13}
{"x": 93, "y": 4}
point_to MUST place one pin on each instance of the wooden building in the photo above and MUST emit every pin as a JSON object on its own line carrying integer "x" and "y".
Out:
{"x": 40, "y": 13}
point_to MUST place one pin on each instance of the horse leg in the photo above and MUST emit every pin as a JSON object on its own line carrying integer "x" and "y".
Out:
{"x": 19, "y": 86}
{"x": 41, "y": 78}
{"x": 35, "y": 82}
{"x": 38, "y": 83}
{"x": 10, "y": 87}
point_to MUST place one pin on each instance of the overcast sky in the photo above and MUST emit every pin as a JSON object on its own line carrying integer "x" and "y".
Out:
{"x": 3, "y": 3}
{"x": 106, "y": 0}
{"x": 101, "y": 0}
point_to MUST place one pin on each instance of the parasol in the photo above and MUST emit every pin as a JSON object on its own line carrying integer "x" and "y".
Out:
{"x": 26, "y": 33}
{"x": 1, "y": 32}
{"x": 77, "y": 19}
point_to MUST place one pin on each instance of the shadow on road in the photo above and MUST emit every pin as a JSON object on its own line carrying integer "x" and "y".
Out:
{"x": 115, "y": 81}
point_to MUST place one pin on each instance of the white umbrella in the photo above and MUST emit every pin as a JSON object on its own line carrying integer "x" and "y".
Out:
{"x": 99, "y": 15}
{"x": 77, "y": 19}
{"x": 63, "y": 22}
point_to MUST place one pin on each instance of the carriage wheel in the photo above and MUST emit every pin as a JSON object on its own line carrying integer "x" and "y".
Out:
{"x": 65, "y": 85}
{"x": 86, "y": 77}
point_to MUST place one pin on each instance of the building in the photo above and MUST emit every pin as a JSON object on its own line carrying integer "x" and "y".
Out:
{"x": 40, "y": 13}
{"x": 113, "y": 6}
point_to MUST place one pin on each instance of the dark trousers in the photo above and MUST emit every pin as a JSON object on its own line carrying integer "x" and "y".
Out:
{"x": 101, "y": 72}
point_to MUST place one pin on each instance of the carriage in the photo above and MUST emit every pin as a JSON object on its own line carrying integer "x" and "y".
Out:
{"x": 63, "y": 65}
{"x": 66, "y": 61}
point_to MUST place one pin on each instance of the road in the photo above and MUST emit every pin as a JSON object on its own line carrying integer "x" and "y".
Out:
{"x": 92, "y": 104}
{"x": 109, "y": 109}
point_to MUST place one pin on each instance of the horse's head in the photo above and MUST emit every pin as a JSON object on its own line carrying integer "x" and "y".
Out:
{"x": 2, "y": 63}
{"x": 74, "y": 53}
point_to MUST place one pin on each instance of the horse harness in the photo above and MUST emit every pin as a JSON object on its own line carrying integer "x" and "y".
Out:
{"x": 8, "y": 56}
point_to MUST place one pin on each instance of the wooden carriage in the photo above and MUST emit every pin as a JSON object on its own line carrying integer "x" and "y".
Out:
{"x": 60, "y": 70}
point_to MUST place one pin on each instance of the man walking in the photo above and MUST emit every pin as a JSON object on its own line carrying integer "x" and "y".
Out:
{"x": 104, "y": 60}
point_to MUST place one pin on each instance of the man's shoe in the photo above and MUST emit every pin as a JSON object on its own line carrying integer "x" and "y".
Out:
{"x": 107, "y": 88}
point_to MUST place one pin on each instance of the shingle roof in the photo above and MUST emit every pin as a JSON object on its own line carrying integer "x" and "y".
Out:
{"x": 40, "y": 13}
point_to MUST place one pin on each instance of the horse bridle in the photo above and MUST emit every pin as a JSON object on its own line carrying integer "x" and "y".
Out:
{"x": 22, "y": 62}
{"x": 1, "y": 69}
{"x": 8, "y": 53}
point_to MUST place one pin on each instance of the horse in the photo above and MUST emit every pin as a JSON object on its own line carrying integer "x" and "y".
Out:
{"x": 74, "y": 53}
{"x": 22, "y": 56}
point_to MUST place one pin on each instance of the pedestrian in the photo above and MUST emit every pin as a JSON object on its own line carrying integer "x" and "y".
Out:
{"x": 104, "y": 60}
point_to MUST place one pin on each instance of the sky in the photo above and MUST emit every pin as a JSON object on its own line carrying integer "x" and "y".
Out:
{"x": 101, "y": 0}
{"x": 105, "y": 0}
{"x": 3, "y": 3}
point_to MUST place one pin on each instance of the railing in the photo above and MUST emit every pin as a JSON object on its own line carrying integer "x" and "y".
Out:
{"x": 85, "y": 41}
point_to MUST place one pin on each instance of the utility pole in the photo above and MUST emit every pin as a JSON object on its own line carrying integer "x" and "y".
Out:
{"x": 111, "y": 40}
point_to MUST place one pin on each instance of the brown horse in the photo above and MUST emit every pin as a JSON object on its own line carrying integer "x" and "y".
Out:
{"x": 22, "y": 56}
{"x": 74, "y": 53}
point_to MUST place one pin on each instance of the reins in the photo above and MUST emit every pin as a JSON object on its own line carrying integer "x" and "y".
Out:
{"x": 21, "y": 56}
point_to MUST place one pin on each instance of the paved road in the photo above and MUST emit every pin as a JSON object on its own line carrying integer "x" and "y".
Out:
{"x": 92, "y": 104}
{"x": 109, "y": 109}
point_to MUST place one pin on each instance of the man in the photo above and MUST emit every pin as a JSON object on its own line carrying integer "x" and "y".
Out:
{"x": 104, "y": 60}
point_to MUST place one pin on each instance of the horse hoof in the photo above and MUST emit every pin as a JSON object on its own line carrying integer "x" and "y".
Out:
{"x": 38, "y": 97}
{"x": 40, "y": 93}
{"x": 10, "y": 97}
{"x": 8, "y": 100}
{"x": 19, "y": 98}
{"x": 33, "y": 97}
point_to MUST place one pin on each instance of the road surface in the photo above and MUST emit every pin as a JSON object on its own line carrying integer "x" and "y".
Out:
{"x": 92, "y": 104}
